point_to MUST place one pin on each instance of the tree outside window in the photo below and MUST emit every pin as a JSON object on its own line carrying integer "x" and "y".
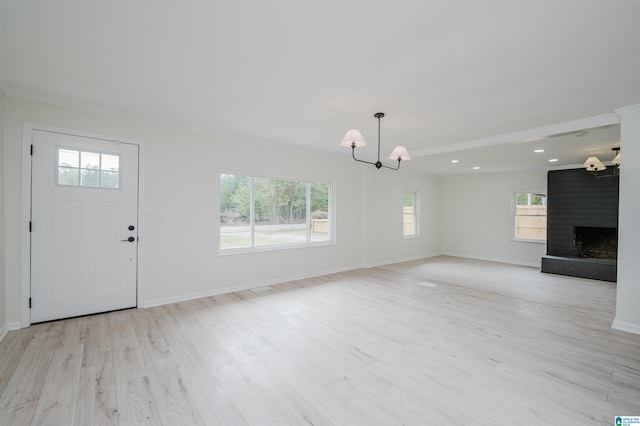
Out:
{"x": 263, "y": 211}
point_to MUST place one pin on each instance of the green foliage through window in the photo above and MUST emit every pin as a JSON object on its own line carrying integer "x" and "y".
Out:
{"x": 263, "y": 211}
{"x": 88, "y": 169}
{"x": 529, "y": 199}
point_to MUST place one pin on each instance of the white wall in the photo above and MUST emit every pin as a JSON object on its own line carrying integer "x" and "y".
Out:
{"x": 466, "y": 216}
{"x": 383, "y": 233}
{"x": 477, "y": 217}
{"x": 3, "y": 316}
{"x": 179, "y": 237}
{"x": 628, "y": 288}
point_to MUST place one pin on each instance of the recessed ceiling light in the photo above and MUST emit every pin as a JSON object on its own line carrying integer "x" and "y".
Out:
{"x": 553, "y": 160}
{"x": 455, "y": 161}
{"x": 476, "y": 167}
{"x": 539, "y": 150}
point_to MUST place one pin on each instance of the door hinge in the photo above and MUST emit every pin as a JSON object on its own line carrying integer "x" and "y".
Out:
{"x": 29, "y": 303}
{"x": 30, "y": 226}
{"x": 31, "y": 149}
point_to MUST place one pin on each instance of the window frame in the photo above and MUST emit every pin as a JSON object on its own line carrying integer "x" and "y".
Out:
{"x": 416, "y": 213}
{"x": 80, "y": 169}
{"x": 514, "y": 215}
{"x": 252, "y": 248}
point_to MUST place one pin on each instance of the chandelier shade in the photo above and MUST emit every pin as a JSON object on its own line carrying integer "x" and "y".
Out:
{"x": 353, "y": 138}
{"x": 616, "y": 159}
{"x": 400, "y": 153}
{"x": 593, "y": 165}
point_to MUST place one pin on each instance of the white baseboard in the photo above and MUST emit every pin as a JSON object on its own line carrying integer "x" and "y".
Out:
{"x": 405, "y": 259}
{"x": 7, "y": 328}
{"x": 498, "y": 260}
{"x": 626, "y": 326}
{"x": 241, "y": 287}
{"x": 218, "y": 291}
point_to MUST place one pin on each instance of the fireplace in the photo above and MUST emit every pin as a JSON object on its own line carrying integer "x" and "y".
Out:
{"x": 595, "y": 242}
{"x": 582, "y": 222}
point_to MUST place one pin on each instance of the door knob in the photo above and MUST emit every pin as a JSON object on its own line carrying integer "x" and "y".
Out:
{"x": 130, "y": 239}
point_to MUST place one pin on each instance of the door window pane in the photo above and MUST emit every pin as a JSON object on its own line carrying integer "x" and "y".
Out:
{"x": 90, "y": 160}
{"x": 89, "y": 178}
{"x": 68, "y": 176}
{"x": 88, "y": 169}
{"x": 110, "y": 162}
{"x": 68, "y": 158}
{"x": 110, "y": 180}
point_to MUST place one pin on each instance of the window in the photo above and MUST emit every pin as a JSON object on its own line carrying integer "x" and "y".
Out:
{"x": 87, "y": 169}
{"x": 261, "y": 212}
{"x": 530, "y": 216}
{"x": 410, "y": 214}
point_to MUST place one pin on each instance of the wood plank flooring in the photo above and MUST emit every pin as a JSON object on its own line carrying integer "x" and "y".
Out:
{"x": 436, "y": 341}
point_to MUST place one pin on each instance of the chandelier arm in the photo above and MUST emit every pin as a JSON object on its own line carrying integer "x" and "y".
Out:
{"x": 378, "y": 164}
{"x": 353, "y": 154}
{"x": 392, "y": 168}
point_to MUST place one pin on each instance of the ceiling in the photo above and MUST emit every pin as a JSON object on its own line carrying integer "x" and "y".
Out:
{"x": 485, "y": 82}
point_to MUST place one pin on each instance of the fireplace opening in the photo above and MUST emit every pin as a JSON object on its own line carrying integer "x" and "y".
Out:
{"x": 595, "y": 243}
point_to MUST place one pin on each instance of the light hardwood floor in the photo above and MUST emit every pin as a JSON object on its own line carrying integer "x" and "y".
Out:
{"x": 489, "y": 344}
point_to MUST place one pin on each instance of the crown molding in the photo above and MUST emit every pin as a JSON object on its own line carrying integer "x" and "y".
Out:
{"x": 530, "y": 135}
{"x": 627, "y": 109}
{"x": 87, "y": 107}
{"x": 63, "y": 102}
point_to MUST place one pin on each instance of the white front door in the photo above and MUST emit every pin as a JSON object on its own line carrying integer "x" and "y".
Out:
{"x": 84, "y": 233}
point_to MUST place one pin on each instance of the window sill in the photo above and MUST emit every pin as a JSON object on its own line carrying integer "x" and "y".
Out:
{"x": 525, "y": 240}
{"x": 260, "y": 249}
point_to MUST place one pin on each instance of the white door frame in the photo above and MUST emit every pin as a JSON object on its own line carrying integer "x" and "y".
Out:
{"x": 27, "y": 134}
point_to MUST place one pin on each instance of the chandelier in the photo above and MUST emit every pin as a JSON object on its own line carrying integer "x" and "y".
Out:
{"x": 354, "y": 139}
{"x": 594, "y": 165}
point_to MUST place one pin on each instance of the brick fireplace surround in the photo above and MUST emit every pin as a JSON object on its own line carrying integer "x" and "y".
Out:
{"x": 578, "y": 203}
